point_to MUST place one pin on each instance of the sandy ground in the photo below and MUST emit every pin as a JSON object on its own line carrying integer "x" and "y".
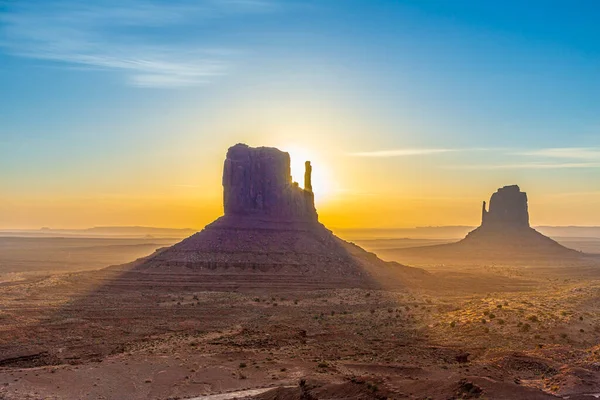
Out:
{"x": 489, "y": 331}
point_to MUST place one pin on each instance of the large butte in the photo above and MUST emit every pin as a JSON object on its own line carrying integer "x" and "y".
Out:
{"x": 268, "y": 238}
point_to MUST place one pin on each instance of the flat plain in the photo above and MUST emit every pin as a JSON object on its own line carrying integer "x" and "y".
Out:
{"x": 70, "y": 330}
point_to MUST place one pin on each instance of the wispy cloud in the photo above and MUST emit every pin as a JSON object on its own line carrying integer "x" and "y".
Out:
{"x": 581, "y": 153}
{"x": 123, "y": 36}
{"x": 400, "y": 152}
{"x": 576, "y": 194}
{"x": 533, "y": 165}
{"x": 419, "y": 151}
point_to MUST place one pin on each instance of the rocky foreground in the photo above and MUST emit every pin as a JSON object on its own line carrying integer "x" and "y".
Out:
{"x": 494, "y": 335}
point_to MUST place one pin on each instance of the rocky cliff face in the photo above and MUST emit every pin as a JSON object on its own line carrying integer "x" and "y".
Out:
{"x": 257, "y": 181}
{"x": 503, "y": 236}
{"x": 269, "y": 238}
{"x": 508, "y": 209}
{"x": 505, "y": 230}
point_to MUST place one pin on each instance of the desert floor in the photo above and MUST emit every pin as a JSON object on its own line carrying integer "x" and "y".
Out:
{"x": 494, "y": 331}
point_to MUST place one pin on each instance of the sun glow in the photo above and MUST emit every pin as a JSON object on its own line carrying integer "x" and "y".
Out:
{"x": 321, "y": 175}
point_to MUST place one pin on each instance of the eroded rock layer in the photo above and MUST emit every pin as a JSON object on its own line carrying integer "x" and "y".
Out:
{"x": 270, "y": 235}
{"x": 505, "y": 228}
{"x": 508, "y": 208}
{"x": 258, "y": 181}
{"x": 504, "y": 235}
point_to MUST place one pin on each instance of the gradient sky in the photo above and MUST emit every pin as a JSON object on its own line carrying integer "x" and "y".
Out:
{"x": 119, "y": 112}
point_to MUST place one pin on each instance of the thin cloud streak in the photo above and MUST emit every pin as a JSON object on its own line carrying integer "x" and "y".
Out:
{"x": 582, "y": 153}
{"x": 418, "y": 152}
{"x": 526, "y": 166}
{"x": 107, "y": 35}
{"x": 400, "y": 152}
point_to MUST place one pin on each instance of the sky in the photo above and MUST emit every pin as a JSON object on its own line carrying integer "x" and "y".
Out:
{"x": 120, "y": 112}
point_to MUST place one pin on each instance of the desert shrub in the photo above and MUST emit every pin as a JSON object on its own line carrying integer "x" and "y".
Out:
{"x": 533, "y": 318}
{"x": 486, "y": 312}
{"x": 372, "y": 387}
{"x": 322, "y": 364}
{"x": 563, "y": 335}
{"x": 295, "y": 301}
{"x": 525, "y": 328}
{"x": 483, "y": 320}
{"x": 452, "y": 324}
{"x": 501, "y": 321}
{"x": 242, "y": 365}
{"x": 492, "y": 316}
{"x": 581, "y": 318}
{"x": 581, "y": 330}
{"x": 499, "y": 306}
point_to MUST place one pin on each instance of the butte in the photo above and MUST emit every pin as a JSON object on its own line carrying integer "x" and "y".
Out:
{"x": 504, "y": 235}
{"x": 269, "y": 237}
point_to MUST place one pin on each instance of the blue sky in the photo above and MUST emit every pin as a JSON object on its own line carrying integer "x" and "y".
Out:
{"x": 125, "y": 99}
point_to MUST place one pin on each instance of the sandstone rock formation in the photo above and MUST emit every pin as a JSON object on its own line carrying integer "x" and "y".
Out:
{"x": 269, "y": 237}
{"x": 505, "y": 230}
{"x": 258, "y": 181}
{"x": 508, "y": 208}
{"x": 504, "y": 234}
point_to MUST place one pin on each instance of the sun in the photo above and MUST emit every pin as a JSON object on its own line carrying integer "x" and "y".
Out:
{"x": 320, "y": 174}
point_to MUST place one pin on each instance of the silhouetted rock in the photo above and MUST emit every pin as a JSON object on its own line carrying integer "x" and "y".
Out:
{"x": 504, "y": 234}
{"x": 258, "y": 181}
{"x": 508, "y": 208}
{"x": 505, "y": 229}
{"x": 308, "y": 176}
{"x": 269, "y": 237}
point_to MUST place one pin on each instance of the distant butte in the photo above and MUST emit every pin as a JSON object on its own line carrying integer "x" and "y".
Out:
{"x": 504, "y": 234}
{"x": 268, "y": 238}
{"x": 505, "y": 227}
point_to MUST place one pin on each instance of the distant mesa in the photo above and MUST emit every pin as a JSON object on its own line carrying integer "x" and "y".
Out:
{"x": 505, "y": 226}
{"x": 269, "y": 237}
{"x": 504, "y": 234}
